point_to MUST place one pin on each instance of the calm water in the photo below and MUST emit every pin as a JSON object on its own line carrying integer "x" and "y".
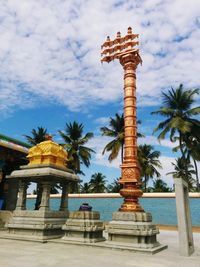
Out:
{"x": 163, "y": 210}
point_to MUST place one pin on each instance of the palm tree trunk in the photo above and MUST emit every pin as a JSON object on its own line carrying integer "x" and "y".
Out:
{"x": 145, "y": 183}
{"x": 180, "y": 144}
{"x": 197, "y": 176}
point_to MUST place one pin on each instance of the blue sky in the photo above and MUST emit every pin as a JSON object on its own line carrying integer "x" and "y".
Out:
{"x": 51, "y": 73}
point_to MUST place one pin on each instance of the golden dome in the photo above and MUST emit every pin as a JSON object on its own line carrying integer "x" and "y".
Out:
{"x": 47, "y": 152}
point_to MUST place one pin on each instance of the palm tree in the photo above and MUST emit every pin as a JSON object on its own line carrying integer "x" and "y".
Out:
{"x": 85, "y": 188}
{"x": 75, "y": 142}
{"x": 160, "y": 186}
{"x": 183, "y": 169}
{"x": 37, "y": 137}
{"x": 192, "y": 145}
{"x": 116, "y": 131}
{"x": 177, "y": 108}
{"x": 148, "y": 161}
{"x": 97, "y": 183}
{"x": 114, "y": 187}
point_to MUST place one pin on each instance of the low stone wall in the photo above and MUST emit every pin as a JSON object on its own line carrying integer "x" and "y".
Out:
{"x": 117, "y": 195}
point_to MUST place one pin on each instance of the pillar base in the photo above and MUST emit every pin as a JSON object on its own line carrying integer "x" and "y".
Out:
{"x": 36, "y": 225}
{"x": 83, "y": 227}
{"x": 131, "y": 207}
{"x": 134, "y": 229}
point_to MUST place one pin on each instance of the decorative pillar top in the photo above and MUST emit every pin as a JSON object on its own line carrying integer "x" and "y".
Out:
{"x": 47, "y": 152}
{"x": 120, "y": 46}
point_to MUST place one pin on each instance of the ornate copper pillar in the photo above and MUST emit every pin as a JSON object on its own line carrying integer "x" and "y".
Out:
{"x": 123, "y": 48}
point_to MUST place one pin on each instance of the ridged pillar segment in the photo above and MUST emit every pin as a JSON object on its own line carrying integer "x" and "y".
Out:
{"x": 130, "y": 177}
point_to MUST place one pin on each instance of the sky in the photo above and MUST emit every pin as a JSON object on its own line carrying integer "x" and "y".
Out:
{"x": 51, "y": 72}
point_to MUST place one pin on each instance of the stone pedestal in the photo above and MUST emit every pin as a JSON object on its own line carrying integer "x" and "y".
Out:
{"x": 41, "y": 224}
{"x": 134, "y": 229}
{"x": 36, "y": 225}
{"x": 84, "y": 227}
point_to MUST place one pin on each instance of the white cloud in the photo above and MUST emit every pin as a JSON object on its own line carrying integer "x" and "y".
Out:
{"x": 98, "y": 143}
{"x": 102, "y": 120}
{"x": 50, "y": 50}
{"x": 167, "y": 167}
{"x": 152, "y": 140}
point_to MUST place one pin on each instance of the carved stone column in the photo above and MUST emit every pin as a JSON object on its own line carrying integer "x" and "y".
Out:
{"x": 21, "y": 201}
{"x": 130, "y": 177}
{"x": 44, "y": 206}
{"x": 64, "y": 198}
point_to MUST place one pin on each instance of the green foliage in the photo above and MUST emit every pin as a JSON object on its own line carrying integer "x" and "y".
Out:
{"x": 116, "y": 131}
{"x": 149, "y": 162}
{"x": 98, "y": 183}
{"x": 37, "y": 137}
{"x": 160, "y": 186}
{"x": 75, "y": 142}
{"x": 85, "y": 188}
{"x": 178, "y": 108}
{"x": 183, "y": 169}
{"x": 114, "y": 187}
{"x": 73, "y": 188}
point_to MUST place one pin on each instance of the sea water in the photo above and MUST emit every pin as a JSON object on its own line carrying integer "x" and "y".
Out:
{"x": 163, "y": 210}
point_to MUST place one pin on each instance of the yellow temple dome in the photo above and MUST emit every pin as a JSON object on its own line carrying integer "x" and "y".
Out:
{"x": 48, "y": 153}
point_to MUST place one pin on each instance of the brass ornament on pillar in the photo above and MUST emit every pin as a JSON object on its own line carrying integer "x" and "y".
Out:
{"x": 124, "y": 49}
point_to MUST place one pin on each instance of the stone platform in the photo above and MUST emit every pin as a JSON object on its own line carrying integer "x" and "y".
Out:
{"x": 36, "y": 225}
{"x": 15, "y": 253}
{"x": 83, "y": 227}
{"x": 134, "y": 230}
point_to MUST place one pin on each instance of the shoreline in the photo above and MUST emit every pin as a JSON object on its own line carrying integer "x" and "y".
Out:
{"x": 117, "y": 195}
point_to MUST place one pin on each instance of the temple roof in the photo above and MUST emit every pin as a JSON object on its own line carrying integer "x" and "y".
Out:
{"x": 47, "y": 152}
{"x": 14, "y": 144}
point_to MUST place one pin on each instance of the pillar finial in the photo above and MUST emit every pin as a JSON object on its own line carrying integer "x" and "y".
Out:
{"x": 108, "y": 38}
{"x": 118, "y": 34}
{"x": 129, "y": 30}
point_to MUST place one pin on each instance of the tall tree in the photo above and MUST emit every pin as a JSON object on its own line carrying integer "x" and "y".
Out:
{"x": 98, "y": 183}
{"x": 38, "y": 136}
{"x": 149, "y": 162}
{"x": 192, "y": 144}
{"x": 183, "y": 169}
{"x": 179, "y": 111}
{"x": 75, "y": 143}
{"x": 116, "y": 131}
{"x": 160, "y": 186}
{"x": 85, "y": 188}
{"x": 114, "y": 187}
